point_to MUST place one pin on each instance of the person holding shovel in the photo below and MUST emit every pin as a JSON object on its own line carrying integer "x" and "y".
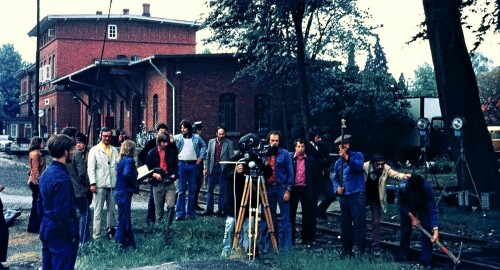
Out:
{"x": 417, "y": 199}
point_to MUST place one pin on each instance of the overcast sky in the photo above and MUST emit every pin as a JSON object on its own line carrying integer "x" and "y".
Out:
{"x": 399, "y": 17}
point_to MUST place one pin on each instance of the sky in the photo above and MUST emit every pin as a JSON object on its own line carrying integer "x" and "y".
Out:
{"x": 398, "y": 17}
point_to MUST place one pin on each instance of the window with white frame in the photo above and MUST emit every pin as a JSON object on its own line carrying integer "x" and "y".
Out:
{"x": 112, "y": 31}
{"x": 13, "y": 130}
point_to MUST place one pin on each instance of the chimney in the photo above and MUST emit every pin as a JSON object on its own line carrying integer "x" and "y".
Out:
{"x": 98, "y": 12}
{"x": 145, "y": 10}
{"x": 125, "y": 11}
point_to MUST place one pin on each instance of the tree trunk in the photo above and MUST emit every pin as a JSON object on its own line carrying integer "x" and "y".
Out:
{"x": 303, "y": 87}
{"x": 459, "y": 95}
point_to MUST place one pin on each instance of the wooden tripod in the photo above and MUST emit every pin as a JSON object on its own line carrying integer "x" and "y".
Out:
{"x": 254, "y": 215}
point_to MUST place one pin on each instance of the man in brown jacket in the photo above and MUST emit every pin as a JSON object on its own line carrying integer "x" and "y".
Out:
{"x": 376, "y": 174}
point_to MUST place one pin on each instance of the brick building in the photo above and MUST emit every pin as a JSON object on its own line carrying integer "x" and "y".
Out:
{"x": 149, "y": 73}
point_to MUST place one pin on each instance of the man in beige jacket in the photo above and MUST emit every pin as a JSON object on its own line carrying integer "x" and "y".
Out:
{"x": 376, "y": 174}
{"x": 101, "y": 168}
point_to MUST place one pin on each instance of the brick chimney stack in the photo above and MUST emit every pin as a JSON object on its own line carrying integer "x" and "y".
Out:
{"x": 98, "y": 12}
{"x": 125, "y": 11}
{"x": 145, "y": 10}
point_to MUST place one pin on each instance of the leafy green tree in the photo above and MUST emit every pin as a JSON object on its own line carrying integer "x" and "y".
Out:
{"x": 10, "y": 62}
{"x": 489, "y": 92}
{"x": 278, "y": 39}
{"x": 424, "y": 84}
{"x": 402, "y": 87}
{"x": 480, "y": 63}
{"x": 459, "y": 93}
{"x": 366, "y": 100}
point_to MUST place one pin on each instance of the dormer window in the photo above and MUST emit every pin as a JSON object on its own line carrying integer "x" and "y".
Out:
{"x": 112, "y": 31}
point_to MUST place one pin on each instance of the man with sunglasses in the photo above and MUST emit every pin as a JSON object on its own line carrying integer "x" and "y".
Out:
{"x": 376, "y": 174}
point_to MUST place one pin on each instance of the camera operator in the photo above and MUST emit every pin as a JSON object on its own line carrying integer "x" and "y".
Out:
{"x": 234, "y": 176}
{"x": 278, "y": 186}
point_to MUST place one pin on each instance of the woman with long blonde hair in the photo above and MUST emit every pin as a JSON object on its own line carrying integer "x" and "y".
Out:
{"x": 126, "y": 186}
{"x": 37, "y": 166}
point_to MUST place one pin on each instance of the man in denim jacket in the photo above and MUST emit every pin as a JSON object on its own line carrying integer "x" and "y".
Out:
{"x": 278, "y": 186}
{"x": 192, "y": 151}
{"x": 349, "y": 184}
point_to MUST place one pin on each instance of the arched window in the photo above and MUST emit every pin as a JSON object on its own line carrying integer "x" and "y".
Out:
{"x": 262, "y": 113}
{"x": 227, "y": 111}
{"x": 155, "y": 110}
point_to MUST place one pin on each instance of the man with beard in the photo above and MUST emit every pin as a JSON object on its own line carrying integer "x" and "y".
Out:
{"x": 376, "y": 174}
{"x": 349, "y": 183}
{"x": 192, "y": 151}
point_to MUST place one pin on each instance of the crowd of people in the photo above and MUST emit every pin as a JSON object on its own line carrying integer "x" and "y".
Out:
{"x": 107, "y": 178}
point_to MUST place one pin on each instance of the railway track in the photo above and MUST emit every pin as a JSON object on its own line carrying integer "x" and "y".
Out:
{"x": 474, "y": 253}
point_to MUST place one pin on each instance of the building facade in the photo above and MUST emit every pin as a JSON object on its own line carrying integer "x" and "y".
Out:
{"x": 149, "y": 72}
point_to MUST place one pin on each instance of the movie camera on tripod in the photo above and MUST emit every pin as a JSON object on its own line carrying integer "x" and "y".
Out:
{"x": 254, "y": 151}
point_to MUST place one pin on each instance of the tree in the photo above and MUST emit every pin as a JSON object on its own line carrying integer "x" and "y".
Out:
{"x": 480, "y": 63}
{"x": 458, "y": 92}
{"x": 10, "y": 62}
{"x": 489, "y": 92}
{"x": 278, "y": 39}
{"x": 366, "y": 100}
{"x": 402, "y": 87}
{"x": 424, "y": 84}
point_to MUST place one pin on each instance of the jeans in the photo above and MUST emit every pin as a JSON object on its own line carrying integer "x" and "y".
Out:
{"x": 284, "y": 233}
{"x": 187, "y": 183}
{"x": 124, "y": 234}
{"x": 406, "y": 230}
{"x": 214, "y": 179}
{"x": 353, "y": 211}
{"x": 83, "y": 208}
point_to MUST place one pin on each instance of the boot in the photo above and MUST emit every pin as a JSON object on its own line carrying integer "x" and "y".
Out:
{"x": 170, "y": 216}
{"x": 168, "y": 226}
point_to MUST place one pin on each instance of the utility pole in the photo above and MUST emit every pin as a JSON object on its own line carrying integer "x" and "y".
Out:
{"x": 37, "y": 72}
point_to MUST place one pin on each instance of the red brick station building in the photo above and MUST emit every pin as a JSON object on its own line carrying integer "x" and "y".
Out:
{"x": 149, "y": 72}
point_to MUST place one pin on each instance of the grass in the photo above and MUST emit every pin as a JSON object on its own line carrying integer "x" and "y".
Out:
{"x": 201, "y": 241}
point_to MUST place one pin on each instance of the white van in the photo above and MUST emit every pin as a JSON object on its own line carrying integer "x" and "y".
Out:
{"x": 4, "y": 142}
{"x": 495, "y": 137}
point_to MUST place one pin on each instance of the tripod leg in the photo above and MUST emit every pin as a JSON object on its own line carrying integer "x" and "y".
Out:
{"x": 474, "y": 185}
{"x": 256, "y": 222}
{"x": 269, "y": 218}
{"x": 241, "y": 214}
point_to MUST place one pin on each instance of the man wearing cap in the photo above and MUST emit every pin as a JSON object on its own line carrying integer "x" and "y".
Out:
{"x": 81, "y": 184}
{"x": 192, "y": 151}
{"x": 349, "y": 183}
{"x": 376, "y": 174}
{"x": 417, "y": 199}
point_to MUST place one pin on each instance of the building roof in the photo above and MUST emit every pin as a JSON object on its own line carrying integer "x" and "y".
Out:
{"x": 50, "y": 20}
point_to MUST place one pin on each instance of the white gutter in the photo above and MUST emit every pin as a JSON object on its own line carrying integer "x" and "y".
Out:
{"x": 173, "y": 91}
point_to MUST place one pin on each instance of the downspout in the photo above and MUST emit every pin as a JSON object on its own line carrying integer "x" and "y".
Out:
{"x": 173, "y": 92}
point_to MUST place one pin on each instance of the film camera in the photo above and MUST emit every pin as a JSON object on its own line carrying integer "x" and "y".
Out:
{"x": 253, "y": 151}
